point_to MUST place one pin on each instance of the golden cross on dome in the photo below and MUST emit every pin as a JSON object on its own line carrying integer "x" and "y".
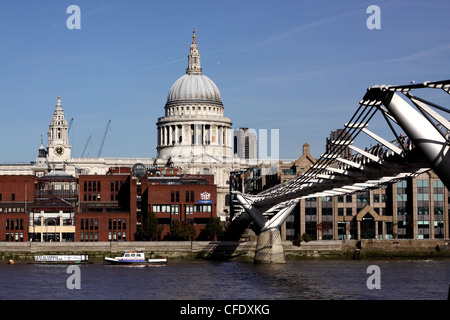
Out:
{"x": 193, "y": 36}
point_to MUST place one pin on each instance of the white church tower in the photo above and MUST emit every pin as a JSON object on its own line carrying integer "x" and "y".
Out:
{"x": 58, "y": 147}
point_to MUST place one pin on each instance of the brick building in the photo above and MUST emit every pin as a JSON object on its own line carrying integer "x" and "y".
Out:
{"x": 60, "y": 207}
{"x": 173, "y": 196}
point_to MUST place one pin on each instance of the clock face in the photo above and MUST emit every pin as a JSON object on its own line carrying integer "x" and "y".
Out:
{"x": 59, "y": 151}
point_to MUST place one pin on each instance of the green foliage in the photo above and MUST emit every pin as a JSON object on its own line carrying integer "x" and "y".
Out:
{"x": 150, "y": 231}
{"x": 182, "y": 230}
{"x": 297, "y": 241}
{"x": 306, "y": 237}
{"x": 214, "y": 229}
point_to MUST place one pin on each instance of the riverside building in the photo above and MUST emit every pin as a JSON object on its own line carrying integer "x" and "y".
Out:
{"x": 61, "y": 208}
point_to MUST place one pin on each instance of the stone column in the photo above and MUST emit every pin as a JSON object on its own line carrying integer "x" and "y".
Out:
{"x": 359, "y": 230}
{"x": 269, "y": 248}
{"x": 376, "y": 228}
{"x": 347, "y": 229}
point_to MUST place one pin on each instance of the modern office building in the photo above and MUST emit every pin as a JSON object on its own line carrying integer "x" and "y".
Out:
{"x": 246, "y": 144}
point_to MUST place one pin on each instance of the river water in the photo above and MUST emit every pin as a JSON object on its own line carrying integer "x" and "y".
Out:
{"x": 208, "y": 280}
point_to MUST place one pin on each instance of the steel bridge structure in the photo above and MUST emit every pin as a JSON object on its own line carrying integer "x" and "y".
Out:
{"x": 424, "y": 147}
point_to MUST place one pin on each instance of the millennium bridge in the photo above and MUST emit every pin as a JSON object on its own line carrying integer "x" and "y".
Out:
{"x": 422, "y": 145}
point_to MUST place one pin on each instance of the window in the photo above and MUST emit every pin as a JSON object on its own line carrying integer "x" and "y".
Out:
{"x": 361, "y": 197}
{"x": 189, "y": 209}
{"x": 192, "y": 196}
{"x": 187, "y": 196}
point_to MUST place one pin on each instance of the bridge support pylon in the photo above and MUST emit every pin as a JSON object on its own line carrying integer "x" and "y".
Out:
{"x": 269, "y": 248}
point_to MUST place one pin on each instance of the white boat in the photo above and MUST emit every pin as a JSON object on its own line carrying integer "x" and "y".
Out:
{"x": 133, "y": 258}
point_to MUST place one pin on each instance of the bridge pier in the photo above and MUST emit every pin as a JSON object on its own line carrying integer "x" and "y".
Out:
{"x": 269, "y": 248}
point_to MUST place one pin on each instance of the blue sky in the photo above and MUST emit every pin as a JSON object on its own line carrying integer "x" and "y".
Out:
{"x": 297, "y": 66}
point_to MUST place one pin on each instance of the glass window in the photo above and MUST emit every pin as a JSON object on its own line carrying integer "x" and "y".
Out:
{"x": 437, "y": 184}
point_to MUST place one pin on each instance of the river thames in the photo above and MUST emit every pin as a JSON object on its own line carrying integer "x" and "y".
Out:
{"x": 236, "y": 280}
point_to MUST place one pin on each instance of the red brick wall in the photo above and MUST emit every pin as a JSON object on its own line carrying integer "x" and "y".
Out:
{"x": 17, "y": 195}
{"x": 166, "y": 195}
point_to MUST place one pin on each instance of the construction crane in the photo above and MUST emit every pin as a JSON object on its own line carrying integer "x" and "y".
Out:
{"x": 85, "y": 147}
{"x": 70, "y": 125}
{"x": 103, "y": 140}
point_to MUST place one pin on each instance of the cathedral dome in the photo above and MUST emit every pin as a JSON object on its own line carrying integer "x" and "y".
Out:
{"x": 196, "y": 87}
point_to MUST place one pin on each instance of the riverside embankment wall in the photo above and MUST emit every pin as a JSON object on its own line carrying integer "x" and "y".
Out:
{"x": 237, "y": 250}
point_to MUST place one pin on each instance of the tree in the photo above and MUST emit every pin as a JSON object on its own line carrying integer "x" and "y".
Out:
{"x": 214, "y": 229}
{"x": 150, "y": 230}
{"x": 181, "y": 230}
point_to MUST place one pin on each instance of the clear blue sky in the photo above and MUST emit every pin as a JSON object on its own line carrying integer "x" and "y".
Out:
{"x": 297, "y": 66}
